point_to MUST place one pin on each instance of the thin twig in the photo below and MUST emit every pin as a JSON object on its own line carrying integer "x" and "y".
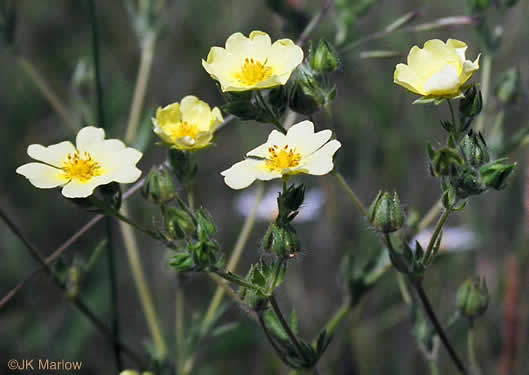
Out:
{"x": 433, "y": 318}
{"x": 52, "y": 98}
{"x": 142, "y": 79}
{"x": 75, "y": 300}
{"x": 316, "y": 19}
{"x": 351, "y": 194}
{"x": 108, "y": 220}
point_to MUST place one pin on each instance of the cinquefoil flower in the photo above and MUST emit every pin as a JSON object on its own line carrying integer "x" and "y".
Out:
{"x": 188, "y": 125}
{"x": 299, "y": 151}
{"x": 253, "y": 63}
{"x": 80, "y": 169}
{"x": 437, "y": 70}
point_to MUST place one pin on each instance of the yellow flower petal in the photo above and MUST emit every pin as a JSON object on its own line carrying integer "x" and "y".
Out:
{"x": 188, "y": 125}
{"x": 438, "y": 69}
{"x": 253, "y": 62}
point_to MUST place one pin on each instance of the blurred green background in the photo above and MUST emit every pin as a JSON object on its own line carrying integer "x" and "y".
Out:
{"x": 383, "y": 137}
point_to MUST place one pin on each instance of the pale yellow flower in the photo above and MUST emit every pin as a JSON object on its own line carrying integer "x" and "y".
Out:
{"x": 437, "y": 70}
{"x": 188, "y": 125}
{"x": 134, "y": 372}
{"x": 299, "y": 151}
{"x": 80, "y": 169}
{"x": 253, "y": 63}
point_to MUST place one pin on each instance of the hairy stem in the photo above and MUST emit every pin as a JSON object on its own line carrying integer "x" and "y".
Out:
{"x": 286, "y": 327}
{"x": 437, "y": 230}
{"x": 435, "y": 322}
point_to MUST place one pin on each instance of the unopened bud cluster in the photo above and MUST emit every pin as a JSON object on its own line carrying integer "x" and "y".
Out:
{"x": 464, "y": 165}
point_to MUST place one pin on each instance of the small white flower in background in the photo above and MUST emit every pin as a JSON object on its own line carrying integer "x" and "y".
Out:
{"x": 454, "y": 239}
{"x": 267, "y": 210}
{"x": 299, "y": 151}
{"x": 79, "y": 169}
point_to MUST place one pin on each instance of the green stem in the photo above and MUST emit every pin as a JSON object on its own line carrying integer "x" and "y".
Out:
{"x": 485, "y": 84}
{"x": 453, "y": 117}
{"x": 434, "y": 368}
{"x": 52, "y": 98}
{"x": 430, "y": 216}
{"x": 75, "y": 300}
{"x": 403, "y": 287}
{"x": 242, "y": 239}
{"x": 102, "y": 123}
{"x": 437, "y": 230}
{"x": 142, "y": 79}
{"x": 435, "y": 322}
{"x": 474, "y": 365}
{"x": 112, "y": 272}
{"x": 180, "y": 350}
{"x": 286, "y": 328}
{"x": 239, "y": 281}
{"x": 337, "y": 318}
{"x": 144, "y": 293}
{"x": 351, "y": 194}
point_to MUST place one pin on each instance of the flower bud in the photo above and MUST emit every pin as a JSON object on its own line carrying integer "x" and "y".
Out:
{"x": 444, "y": 162}
{"x": 496, "y": 175}
{"x": 385, "y": 213}
{"x": 158, "y": 187}
{"x": 178, "y": 223}
{"x": 324, "y": 58}
{"x": 475, "y": 149}
{"x": 467, "y": 182}
{"x": 182, "y": 262}
{"x": 281, "y": 240}
{"x": 289, "y": 202}
{"x": 472, "y": 103}
{"x": 206, "y": 226}
{"x": 508, "y": 88}
{"x": 306, "y": 95}
{"x": 472, "y": 298}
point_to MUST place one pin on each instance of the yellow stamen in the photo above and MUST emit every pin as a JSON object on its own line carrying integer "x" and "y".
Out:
{"x": 81, "y": 167}
{"x": 253, "y": 72}
{"x": 181, "y": 129}
{"x": 279, "y": 159}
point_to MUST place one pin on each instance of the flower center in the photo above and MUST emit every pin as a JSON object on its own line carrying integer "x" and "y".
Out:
{"x": 182, "y": 129}
{"x": 81, "y": 166}
{"x": 282, "y": 158}
{"x": 253, "y": 72}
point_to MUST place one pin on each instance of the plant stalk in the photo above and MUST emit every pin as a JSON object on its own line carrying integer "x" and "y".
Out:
{"x": 235, "y": 256}
{"x": 435, "y": 322}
